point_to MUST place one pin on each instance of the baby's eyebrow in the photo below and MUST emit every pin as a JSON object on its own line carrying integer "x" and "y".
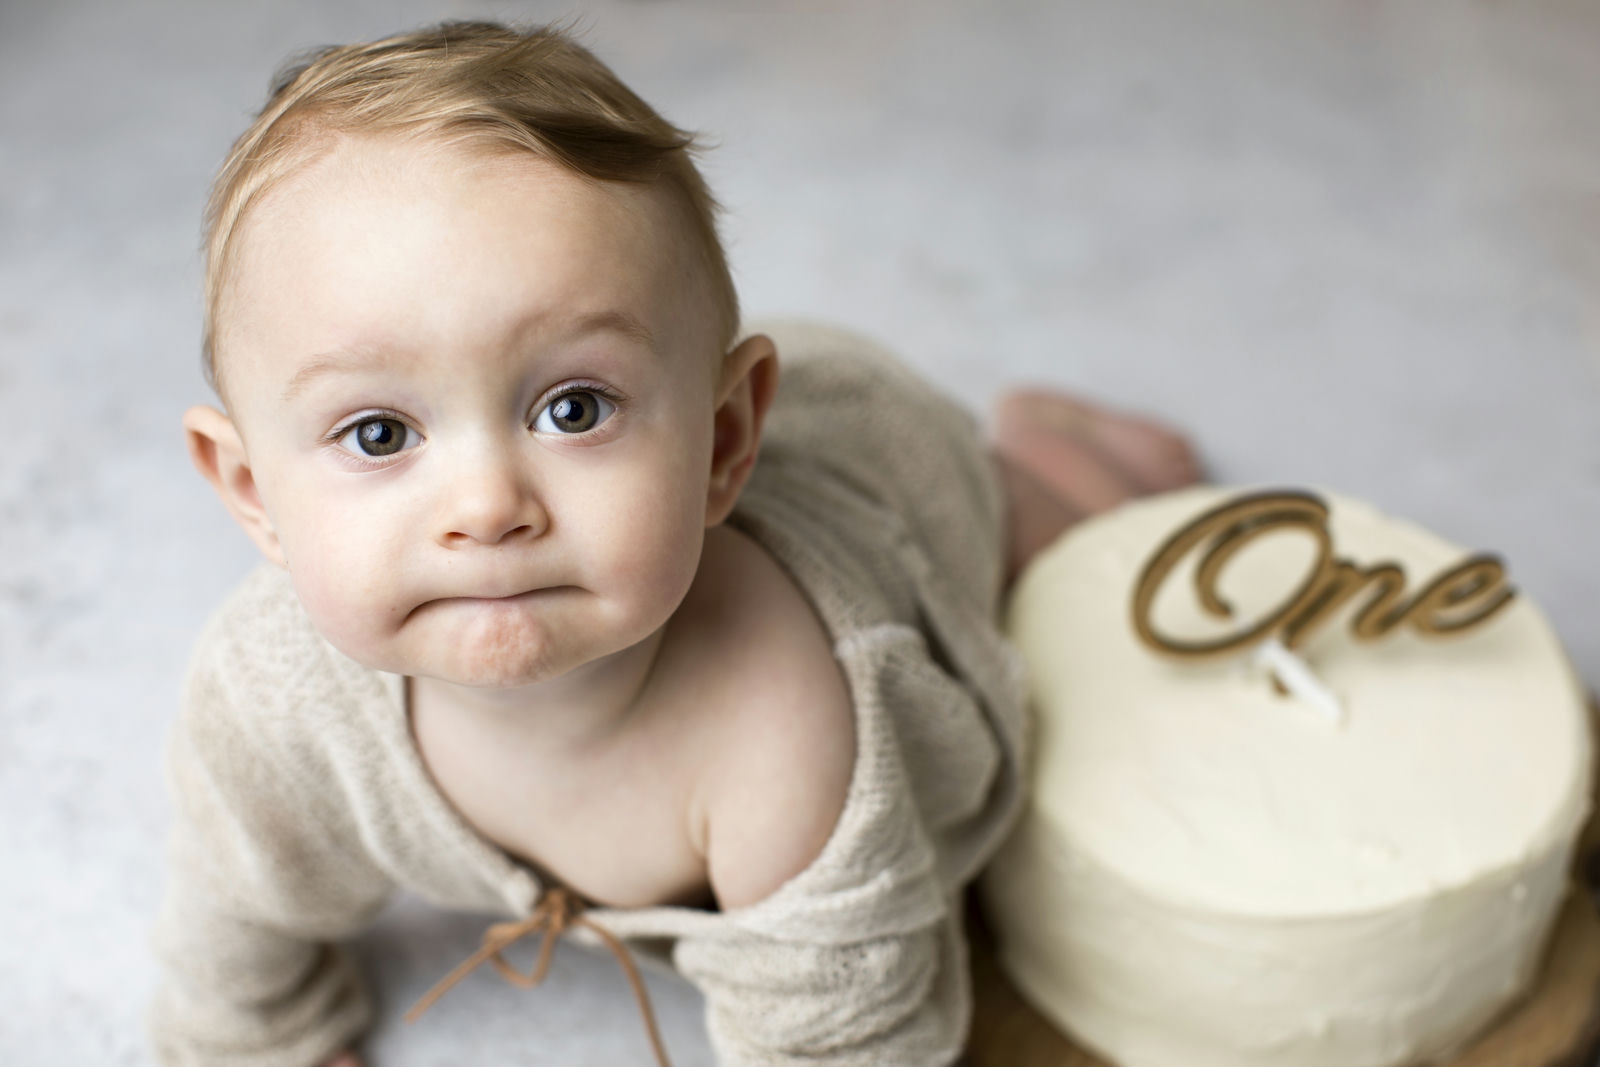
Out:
{"x": 345, "y": 360}
{"x": 614, "y": 321}
{"x": 365, "y": 358}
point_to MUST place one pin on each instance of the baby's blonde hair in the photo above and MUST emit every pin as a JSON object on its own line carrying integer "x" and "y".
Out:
{"x": 536, "y": 90}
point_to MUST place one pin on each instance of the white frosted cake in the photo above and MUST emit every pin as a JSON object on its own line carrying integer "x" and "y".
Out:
{"x": 1213, "y": 873}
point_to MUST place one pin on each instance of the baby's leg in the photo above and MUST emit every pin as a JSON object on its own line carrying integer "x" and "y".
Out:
{"x": 1062, "y": 459}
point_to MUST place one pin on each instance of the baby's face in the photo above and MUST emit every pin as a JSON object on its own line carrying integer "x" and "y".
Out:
{"x": 476, "y": 393}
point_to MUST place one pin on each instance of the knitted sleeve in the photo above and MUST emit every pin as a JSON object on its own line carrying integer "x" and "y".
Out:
{"x": 902, "y": 999}
{"x": 261, "y": 881}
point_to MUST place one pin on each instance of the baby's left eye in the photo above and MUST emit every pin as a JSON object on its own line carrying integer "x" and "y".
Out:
{"x": 574, "y": 412}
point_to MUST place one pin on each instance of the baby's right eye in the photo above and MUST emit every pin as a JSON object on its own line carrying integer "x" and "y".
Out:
{"x": 376, "y": 438}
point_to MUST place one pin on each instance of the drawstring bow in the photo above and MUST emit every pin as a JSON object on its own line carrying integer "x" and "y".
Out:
{"x": 557, "y": 911}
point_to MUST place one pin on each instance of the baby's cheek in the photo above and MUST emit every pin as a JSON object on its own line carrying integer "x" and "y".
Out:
{"x": 655, "y": 570}
{"x": 341, "y": 595}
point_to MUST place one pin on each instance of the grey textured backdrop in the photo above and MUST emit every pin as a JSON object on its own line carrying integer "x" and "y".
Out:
{"x": 1349, "y": 244}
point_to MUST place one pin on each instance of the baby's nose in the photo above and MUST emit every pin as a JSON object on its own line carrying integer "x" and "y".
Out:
{"x": 491, "y": 501}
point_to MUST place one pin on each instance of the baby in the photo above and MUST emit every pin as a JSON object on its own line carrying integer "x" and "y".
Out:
{"x": 538, "y": 633}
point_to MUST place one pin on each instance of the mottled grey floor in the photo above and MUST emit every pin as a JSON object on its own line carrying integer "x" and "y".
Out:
{"x": 1350, "y": 244}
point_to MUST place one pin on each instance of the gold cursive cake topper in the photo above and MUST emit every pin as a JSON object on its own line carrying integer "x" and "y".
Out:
{"x": 1459, "y": 599}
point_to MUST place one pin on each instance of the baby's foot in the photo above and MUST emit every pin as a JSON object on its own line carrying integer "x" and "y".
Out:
{"x": 1063, "y": 458}
{"x": 1094, "y": 457}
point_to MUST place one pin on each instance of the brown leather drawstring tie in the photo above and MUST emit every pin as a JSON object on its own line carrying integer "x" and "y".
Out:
{"x": 556, "y": 911}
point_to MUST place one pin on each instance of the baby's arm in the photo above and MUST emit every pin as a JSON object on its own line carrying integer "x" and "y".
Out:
{"x": 260, "y": 883}
{"x": 789, "y": 979}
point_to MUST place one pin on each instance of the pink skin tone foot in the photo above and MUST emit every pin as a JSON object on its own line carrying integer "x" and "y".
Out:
{"x": 1063, "y": 459}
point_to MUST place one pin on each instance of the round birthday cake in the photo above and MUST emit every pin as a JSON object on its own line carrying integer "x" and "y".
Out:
{"x": 1306, "y": 784}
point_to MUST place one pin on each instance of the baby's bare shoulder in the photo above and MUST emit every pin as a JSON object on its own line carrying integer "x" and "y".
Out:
{"x": 786, "y": 750}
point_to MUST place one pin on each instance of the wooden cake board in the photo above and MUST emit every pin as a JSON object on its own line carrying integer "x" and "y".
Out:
{"x": 1556, "y": 1025}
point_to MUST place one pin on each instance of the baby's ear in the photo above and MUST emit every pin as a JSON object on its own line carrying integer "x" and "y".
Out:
{"x": 217, "y": 451}
{"x": 745, "y": 387}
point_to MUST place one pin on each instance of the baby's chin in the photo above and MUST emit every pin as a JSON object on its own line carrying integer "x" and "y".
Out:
{"x": 476, "y": 674}
{"x": 483, "y": 676}
{"x": 498, "y": 658}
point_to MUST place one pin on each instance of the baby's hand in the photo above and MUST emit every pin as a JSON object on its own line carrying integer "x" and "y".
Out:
{"x": 344, "y": 1059}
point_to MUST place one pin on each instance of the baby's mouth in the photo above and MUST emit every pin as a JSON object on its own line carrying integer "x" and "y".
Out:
{"x": 508, "y": 599}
